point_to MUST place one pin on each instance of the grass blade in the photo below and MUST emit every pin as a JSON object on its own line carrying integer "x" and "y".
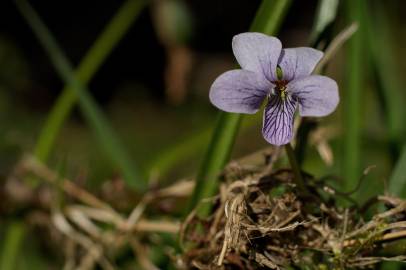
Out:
{"x": 268, "y": 19}
{"x": 352, "y": 99}
{"x": 389, "y": 83}
{"x": 325, "y": 15}
{"x": 105, "y": 43}
{"x": 11, "y": 246}
{"x": 216, "y": 156}
{"x": 397, "y": 183}
{"x": 270, "y": 16}
{"x": 104, "y": 133}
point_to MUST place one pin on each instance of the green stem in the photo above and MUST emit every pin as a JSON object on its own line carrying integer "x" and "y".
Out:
{"x": 296, "y": 169}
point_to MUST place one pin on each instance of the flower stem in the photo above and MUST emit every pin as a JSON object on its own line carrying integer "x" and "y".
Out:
{"x": 296, "y": 169}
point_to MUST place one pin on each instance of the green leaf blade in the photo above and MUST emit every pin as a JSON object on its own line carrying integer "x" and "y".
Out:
{"x": 397, "y": 183}
{"x": 352, "y": 98}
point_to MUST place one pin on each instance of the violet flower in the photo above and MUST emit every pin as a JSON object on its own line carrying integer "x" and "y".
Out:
{"x": 282, "y": 76}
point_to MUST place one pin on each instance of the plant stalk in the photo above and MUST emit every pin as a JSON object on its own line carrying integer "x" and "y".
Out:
{"x": 296, "y": 169}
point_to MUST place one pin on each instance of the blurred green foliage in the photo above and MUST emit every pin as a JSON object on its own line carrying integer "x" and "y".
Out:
{"x": 92, "y": 61}
{"x": 93, "y": 114}
{"x": 11, "y": 246}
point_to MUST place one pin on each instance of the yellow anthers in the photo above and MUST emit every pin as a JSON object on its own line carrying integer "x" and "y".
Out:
{"x": 280, "y": 88}
{"x": 283, "y": 93}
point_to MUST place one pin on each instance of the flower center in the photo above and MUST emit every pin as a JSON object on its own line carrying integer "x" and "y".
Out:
{"x": 280, "y": 88}
{"x": 280, "y": 84}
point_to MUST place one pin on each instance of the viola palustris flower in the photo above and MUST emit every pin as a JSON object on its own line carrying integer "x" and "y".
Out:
{"x": 280, "y": 76}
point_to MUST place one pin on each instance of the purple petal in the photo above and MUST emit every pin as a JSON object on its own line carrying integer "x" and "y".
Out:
{"x": 257, "y": 52}
{"x": 317, "y": 95}
{"x": 278, "y": 120}
{"x": 239, "y": 91}
{"x": 298, "y": 62}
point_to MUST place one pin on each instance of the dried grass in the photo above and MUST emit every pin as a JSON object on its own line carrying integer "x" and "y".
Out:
{"x": 259, "y": 221}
